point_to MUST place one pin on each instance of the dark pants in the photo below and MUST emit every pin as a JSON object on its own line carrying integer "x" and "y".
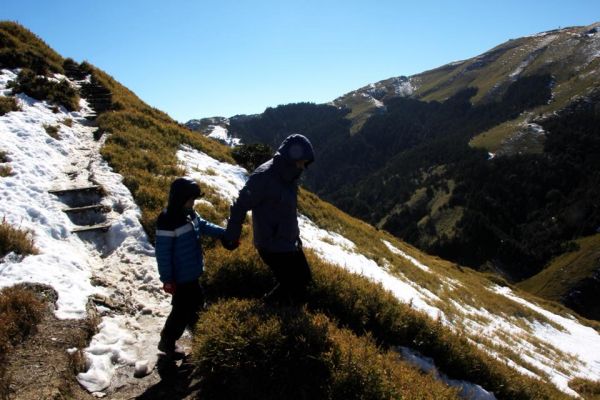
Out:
{"x": 292, "y": 273}
{"x": 187, "y": 301}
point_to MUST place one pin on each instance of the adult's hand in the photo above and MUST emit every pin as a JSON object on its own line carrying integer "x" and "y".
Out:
{"x": 169, "y": 287}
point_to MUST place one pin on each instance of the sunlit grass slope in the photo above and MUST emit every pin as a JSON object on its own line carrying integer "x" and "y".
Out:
{"x": 349, "y": 330}
{"x": 567, "y": 271}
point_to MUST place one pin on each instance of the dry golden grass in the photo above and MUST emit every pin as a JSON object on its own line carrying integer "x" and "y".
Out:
{"x": 23, "y": 48}
{"x": 20, "y": 312}
{"x": 588, "y": 389}
{"x": 244, "y": 348}
{"x": 6, "y": 170}
{"x": 15, "y": 240}
{"x": 8, "y": 104}
{"x": 52, "y": 131}
{"x": 365, "y": 308}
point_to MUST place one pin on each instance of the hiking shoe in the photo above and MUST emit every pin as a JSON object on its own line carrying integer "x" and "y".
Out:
{"x": 171, "y": 351}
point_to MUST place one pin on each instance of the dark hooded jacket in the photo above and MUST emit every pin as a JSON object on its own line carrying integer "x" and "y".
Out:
{"x": 178, "y": 231}
{"x": 271, "y": 192}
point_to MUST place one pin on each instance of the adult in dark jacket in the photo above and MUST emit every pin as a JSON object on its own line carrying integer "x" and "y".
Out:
{"x": 271, "y": 192}
{"x": 180, "y": 260}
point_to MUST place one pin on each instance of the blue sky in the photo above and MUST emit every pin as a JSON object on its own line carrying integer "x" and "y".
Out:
{"x": 197, "y": 59}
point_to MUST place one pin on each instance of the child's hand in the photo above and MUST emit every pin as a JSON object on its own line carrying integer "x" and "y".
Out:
{"x": 230, "y": 244}
{"x": 169, "y": 287}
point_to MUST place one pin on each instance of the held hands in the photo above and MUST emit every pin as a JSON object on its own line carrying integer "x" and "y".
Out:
{"x": 169, "y": 287}
{"x": 230, "y": 244}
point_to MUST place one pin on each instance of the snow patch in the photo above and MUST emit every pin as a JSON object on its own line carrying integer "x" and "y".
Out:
{"x": 226, "y": 179}
{"x": 574, "y": 338}
{"x": 340, "y": 251}
{"x": 222, "y": 134}
{"x": 412, "y": 260}
{"x": 467, "y": 390}
{"x": 403, "y": 87}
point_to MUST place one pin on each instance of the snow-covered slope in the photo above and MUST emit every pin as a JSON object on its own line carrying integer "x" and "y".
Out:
{"x": 116, "y": 267}
{"x": 119, "y": 264}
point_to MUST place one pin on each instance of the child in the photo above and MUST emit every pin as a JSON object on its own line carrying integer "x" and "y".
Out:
{"x": 180, "y": 261}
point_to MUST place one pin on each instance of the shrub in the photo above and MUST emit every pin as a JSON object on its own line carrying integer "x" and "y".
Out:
{"x": 244, "y": 349}
{"x": 239, "y": 274}
{"x": 68, "y": 122}
{"x": 251, "y": 156}
{"x": 52, "y": 131}
{"x": 20, "y": 48}
{"x": 20, "y": 312}
{"x": 366, "y": 308}
{"x": 5, "y": 170}
{"x": 39, "y": 87}
{"x": 590, "y": 390}
{"x": 15, "y": 240}
{"x": 8, "y": 104}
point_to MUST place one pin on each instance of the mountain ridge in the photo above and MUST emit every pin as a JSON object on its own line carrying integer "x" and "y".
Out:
{"x": 383, "y": 144}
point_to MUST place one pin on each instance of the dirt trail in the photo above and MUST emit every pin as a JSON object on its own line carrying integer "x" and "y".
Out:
{"x": 44, "y": 366}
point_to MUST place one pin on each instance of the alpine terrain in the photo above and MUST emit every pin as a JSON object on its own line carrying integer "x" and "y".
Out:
{"x": 491, "y": 162}
{"x": 85, "y": 168}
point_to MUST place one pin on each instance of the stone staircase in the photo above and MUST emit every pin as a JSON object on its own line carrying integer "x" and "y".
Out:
{"x": 98, "y": 96}
{"x": 84, "y": 208}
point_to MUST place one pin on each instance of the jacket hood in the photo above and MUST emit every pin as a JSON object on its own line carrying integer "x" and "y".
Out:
{"x": 182, "y": 189}
{"x": 296, "y": 147}
{"x": 293, "y": 148}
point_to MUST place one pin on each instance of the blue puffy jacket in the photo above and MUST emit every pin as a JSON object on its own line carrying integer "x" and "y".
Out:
{"x": 271, "y": 192}
{"x": 178, "y": 232}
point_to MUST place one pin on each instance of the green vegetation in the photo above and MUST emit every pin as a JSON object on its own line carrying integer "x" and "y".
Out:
{"x": 572, "y": 271}
{"x": 20, "y": 312}
{"x": 15, "y": 240}
{"x": 5, "y": 170}
{"x": 362, "y": 307}
{"x": 589, "y": 390}
{"x": 21, "y": 48}
{"x": 493, "y": 139}
{"x": 251, "y": 156}
{"x": 52, "y": 131}
{"x": 67, "y": 122}
{"x": 42, "y": 88}
{"x": 245, "y": 349}
{"x": 8, "y": 104}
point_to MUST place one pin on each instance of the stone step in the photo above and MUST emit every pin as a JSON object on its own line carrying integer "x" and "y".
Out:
{"x": 92, "y": 188}
{"x": 91, "y": 228}
{"x": 93, "y": 207}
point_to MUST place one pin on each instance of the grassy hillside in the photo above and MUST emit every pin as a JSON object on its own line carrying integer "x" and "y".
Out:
{"x": 350, "y": 328}
{"x": 576, "y": 271}
{"x": 142, "y": 140}
{"x": 488, "y": 162}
